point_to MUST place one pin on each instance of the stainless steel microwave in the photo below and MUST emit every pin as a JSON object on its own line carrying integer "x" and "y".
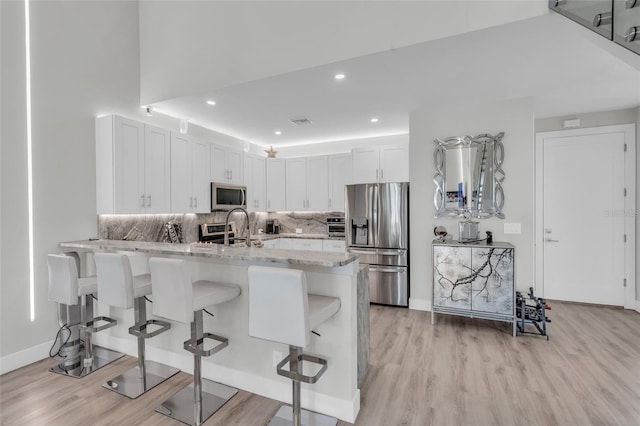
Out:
{"x": 225, "y": 196}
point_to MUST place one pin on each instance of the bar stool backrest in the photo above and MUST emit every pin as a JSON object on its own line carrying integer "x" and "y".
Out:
{"x": 115, "y": 280}
{"x": 63, "y": 279}
{"x": 172, "y": 289}
{"x": 279, "y": 305}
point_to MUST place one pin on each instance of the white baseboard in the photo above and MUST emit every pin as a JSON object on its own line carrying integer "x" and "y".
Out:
{"x": 275, "y": 389}
{"x": 419, "y": 304}
{"x": 24, "y": 357}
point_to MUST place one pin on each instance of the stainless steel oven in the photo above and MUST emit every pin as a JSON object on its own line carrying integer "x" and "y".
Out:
{"x": 335, "y": 226}
{"x": 225, "y": 196}
{"x": 213, "y": 233}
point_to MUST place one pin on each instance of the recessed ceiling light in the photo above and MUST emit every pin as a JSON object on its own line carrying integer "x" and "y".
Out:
{"x": 278, "y": 132}
{"x": 339, "y": 76}
{"x": 211, "y": 103}
{"x": 374, "y": 120}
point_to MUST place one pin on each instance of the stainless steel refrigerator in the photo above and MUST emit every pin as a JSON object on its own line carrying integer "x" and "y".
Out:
{"x": 377, "y": 230}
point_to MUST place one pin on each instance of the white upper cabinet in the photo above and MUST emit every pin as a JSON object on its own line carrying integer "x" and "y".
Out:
{"x": 133, "y": 168}
{"x": 226, "y": 165}
{"x": 307, "y": 184}
{"x": 276, "y": 184}
{"x": 189, "y": 175}
{"x": 340, "y": 174}
{"x": 296, "y": 183}
{"x": 255, "y": 180}
{"x": 381, "y": 164}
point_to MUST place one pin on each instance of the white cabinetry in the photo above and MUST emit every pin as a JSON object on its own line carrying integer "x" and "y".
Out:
{"x": 381, "y": 164}
{"x": 474, "y": 281}
{"x": 340, "y": 174}
{"x": 190, "y": 191}
{"x": 307, "y": 184}
{"x": 333, "y": 245}
{"x": 226, "y": 165}
{"x": 275, "y": 243}
{"x": 255, "y": 181}
{"x": 132, "y": 167}
{"x": 276, "y": 183}
{"x": 307, "y": 244}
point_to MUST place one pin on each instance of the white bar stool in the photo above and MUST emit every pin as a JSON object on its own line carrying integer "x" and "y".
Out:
{"x": 177, "y": 298}
{"x": 66, "y": 288}
{"x": 281, "y": 310}
{"x": 118, "y": 287}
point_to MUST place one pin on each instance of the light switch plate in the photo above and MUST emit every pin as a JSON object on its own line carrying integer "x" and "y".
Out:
{"x": 512, "y": 228}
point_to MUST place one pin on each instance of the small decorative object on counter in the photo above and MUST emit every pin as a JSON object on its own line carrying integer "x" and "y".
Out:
{"x": 489, "y": 237}
{"x": 468, "y": 231}
{"x": 440, "y": 232}
{"x": 533, "y": 313}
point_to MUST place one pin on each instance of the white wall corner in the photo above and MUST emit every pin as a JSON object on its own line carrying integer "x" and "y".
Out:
{"x": 419, "y": 304}
{"x": 24, "y": 357}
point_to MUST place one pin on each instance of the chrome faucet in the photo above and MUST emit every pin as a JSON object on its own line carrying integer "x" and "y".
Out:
{"x": 226, "y": 226}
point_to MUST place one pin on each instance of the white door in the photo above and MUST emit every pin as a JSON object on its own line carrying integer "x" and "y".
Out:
{"x": 394, "y": 163}
{"x": 296, "y": 184}
{"x": 181, "y": 198}
{"x": 219, "y": 172}
{"x": 340, "y": 174}
{"x": 583, "y": 233}
{"x": 366, "y": 164}
{"x": 129, "y": 166}
{"x": 200, "y": 184}
{"x": 276, "y": 184}
{"x": 317, "y": 184}
{"x": 157, "y": 170}
{"x": 234, "y": 165}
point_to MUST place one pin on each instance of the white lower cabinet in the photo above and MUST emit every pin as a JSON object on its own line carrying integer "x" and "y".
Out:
{"x": 275, "y": 243}
{"x": 306, "y": 244}
{"x": 333, "y": 245}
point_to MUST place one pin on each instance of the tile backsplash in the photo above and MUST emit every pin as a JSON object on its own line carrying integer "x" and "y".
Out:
{"x": 152, "y": 227}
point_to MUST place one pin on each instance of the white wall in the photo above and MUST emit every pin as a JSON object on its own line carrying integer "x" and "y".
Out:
{"x": 194, "y": 47}
{"x": 515, "y": 119}
{"x": 14, "y": 266}
{"x": 84, "y": 60}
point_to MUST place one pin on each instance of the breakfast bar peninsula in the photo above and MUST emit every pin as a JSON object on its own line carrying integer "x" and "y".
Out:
{"x": 249, "y": 363}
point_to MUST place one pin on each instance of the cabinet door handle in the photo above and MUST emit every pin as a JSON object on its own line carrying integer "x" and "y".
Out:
{"x": 549, "y": 240}
{"x": 230, "y": 174}
{"x": 381, "y": 174}
{"x": 190, "y": 202}
{"x": 195, "y": 202}
{"x": 329, "y": 202}
{"x": 376, "y": 174}
{"x": 142, "y": 201}
{"x": 268, "y": 204}
{"x": 148, "y": 200}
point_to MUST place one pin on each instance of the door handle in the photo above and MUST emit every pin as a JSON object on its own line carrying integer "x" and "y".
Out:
{"x": 549, "y": 240}
{"x": 195, "y": 202}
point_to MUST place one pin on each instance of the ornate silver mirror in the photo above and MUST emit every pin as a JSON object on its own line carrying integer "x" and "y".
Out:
{"x": 469, "y": 176}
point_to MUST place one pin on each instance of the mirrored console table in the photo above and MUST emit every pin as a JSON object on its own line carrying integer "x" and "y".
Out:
{"x": 474, "y": 280}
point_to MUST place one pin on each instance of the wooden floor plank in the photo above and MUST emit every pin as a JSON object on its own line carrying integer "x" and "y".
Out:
{"x": 458, "y": 372}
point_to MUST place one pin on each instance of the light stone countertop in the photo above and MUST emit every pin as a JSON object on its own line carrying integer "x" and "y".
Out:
{"x": 218, "y": 251}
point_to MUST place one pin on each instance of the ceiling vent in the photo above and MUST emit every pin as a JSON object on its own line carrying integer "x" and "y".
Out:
{"x": 300, "y": 121}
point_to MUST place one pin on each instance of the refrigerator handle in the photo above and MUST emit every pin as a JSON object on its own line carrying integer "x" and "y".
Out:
{"x": 374, "y": 214}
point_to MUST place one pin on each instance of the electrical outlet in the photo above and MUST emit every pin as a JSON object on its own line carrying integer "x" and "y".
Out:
{"x": 298, "y": 230}
{"x": 277, "y": 357}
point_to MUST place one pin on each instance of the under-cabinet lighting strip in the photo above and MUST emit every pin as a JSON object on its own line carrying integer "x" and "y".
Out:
{"x": 27, "y": 42}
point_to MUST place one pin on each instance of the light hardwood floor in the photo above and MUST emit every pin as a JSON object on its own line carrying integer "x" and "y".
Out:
{"x": 459, "y": 372}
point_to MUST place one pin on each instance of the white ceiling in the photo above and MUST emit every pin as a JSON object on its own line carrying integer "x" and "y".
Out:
{"x": 565, "y": 68}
